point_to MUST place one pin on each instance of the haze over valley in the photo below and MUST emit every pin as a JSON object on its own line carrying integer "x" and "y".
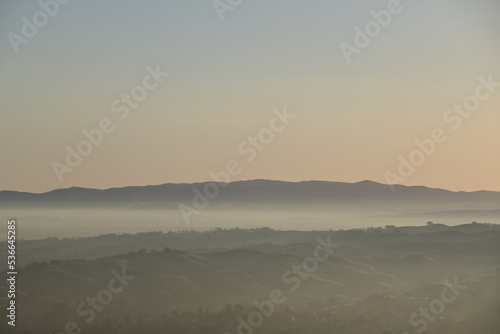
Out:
{"x": 245, "y": 204}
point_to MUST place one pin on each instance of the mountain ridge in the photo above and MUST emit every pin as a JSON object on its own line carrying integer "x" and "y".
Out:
{"x": 245, "y": 190}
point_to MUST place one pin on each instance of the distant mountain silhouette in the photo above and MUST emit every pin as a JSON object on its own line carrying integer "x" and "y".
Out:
{"x": 266, "y": 191}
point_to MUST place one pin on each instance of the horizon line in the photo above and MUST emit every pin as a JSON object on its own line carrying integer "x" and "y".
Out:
{"x": 251, "y": 180}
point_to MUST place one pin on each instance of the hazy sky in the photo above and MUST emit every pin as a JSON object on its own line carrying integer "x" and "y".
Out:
{"x": 352, "y": 121}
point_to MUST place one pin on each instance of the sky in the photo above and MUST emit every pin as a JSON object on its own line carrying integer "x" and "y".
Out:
{"x": 228, "y": 79}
